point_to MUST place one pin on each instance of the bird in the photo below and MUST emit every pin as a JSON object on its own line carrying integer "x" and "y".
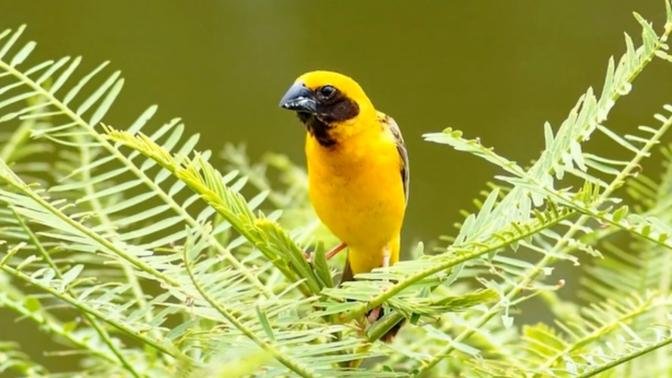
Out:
{"x": 358, "y": 170}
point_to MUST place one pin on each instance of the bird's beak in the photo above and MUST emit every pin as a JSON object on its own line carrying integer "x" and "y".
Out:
{"x": 300, "y": 99}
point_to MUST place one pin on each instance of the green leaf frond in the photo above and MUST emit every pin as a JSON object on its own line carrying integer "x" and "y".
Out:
{"x": 563, "y": 155}
{"x": 14, "y": 361}
{"x": 293, "y": 189}
{"x": 202, "y": 178}
{"x": 604, "y": 331}
{"x": 146, "y": 258}
{"x": 637, "y": 265}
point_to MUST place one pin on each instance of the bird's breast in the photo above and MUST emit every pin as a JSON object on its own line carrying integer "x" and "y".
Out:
{"x": 356, "y": 188}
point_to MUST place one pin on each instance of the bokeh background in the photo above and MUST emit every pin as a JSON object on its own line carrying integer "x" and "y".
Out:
{"x": 495, "y": 69}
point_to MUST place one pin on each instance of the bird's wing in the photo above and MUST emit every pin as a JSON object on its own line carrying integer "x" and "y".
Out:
{"x": 391, "y": 125}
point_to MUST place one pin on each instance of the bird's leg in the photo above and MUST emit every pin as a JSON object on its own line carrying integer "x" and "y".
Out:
{"x": 328, "y": 255}
{"x": 334, "y": 251}
{"x": 374, "y": 314}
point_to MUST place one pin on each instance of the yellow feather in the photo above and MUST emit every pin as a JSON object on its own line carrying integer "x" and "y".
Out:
{"x": 355, "y": 186}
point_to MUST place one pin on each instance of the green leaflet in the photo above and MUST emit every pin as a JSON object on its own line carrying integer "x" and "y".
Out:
{"x": 150, "y": 259}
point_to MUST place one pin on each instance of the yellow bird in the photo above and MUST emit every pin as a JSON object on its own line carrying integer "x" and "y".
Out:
{"x": 358, "y": 172}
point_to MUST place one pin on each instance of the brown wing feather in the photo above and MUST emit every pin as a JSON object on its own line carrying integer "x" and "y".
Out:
{"x": 401, "y": 148}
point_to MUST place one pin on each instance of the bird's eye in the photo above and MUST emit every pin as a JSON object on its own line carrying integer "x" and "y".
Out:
{"x": 327, "y": 91}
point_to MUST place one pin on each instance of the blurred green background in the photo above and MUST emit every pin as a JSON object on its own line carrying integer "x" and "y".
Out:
{"x": 495, "y": 69}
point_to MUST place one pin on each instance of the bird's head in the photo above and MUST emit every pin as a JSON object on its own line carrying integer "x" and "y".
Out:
{"x": 328, "y": 103}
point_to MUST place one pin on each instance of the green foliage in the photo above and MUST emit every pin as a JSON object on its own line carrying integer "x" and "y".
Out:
{"x": 130, "y": 248}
